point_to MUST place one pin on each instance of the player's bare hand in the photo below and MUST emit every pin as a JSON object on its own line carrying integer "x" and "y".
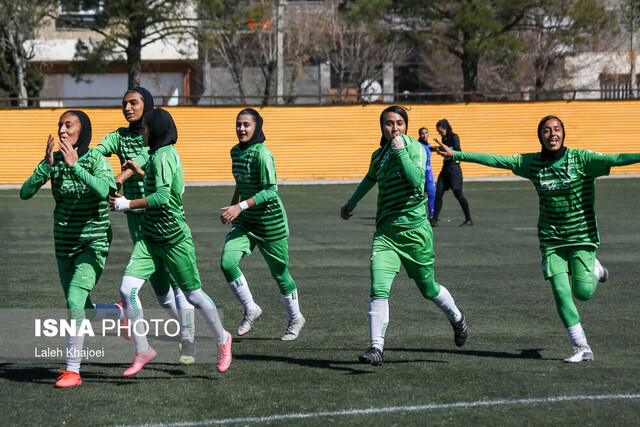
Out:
{"x": 133, "y": 167}
{"x": 346, "y": 212}
{"x": 48, "y": 154}
{"x": 69, "y": 153}
{"x": 442, "y": 149}
{"x": 230, "y": 213}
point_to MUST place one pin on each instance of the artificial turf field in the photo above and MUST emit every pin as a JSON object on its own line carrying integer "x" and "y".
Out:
{"x": 509, "y": 372}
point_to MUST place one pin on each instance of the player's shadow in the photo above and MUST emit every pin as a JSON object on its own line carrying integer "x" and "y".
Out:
{"x": 347, "y": 366}
{"x": 526, "y": 353}
{"x": 47, "y": 375}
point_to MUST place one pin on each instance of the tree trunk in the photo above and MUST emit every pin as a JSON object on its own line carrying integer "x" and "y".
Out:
{"x": 470, "y": 77}
{"x": 15, "y": 40}
{"x": 134, "y": 62}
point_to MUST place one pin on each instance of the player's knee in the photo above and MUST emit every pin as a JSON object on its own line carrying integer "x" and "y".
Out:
{"x": 379, "y": 293}
{"x": 227, "y": 262}
{"x": 582, "y": 291}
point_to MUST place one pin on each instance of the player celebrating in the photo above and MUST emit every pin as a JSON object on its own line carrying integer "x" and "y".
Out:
{"x": 126, "y": 143}
{"x": 80, "y": 182}
{"x": 258, "y": 219}
{"x": 567, "y": 229}
{"x": 166, "y": 239}
{"x": 403, "y": 234}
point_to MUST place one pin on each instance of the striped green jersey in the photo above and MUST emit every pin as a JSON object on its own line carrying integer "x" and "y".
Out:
{"x": 401, "y": 199}
{"x": 126, "y": 145}
{"x": 566, "y": 191}
{"x": 255, "y": 170}
{"x": 163, "y": 222}
{"x": 81, "y": 215}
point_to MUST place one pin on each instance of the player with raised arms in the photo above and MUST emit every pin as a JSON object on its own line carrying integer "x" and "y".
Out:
{"x": 258, "y": 219}
{"x": 81, "y": 179}
{"x": 403, "y": 234}
{"x": 564, "y": 179}
{"x": 127, "y": 144}
{"x": 166, "y": 238}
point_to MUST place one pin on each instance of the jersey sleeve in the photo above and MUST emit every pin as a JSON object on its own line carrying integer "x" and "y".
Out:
{"x": 267, "y": 167}
{"x": 598, "y": 164}
{"x": 516, "y": 163}
{"x": 100, "y": 179}
{"x": 39, "y": 177}
{"x": 164, "y": 167}
{"x": 413, "y": 159}
{"x": 109, "y": 144}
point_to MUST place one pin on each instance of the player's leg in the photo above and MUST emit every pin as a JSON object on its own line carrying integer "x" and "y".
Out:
{"x": 171, "y": 298}
{"x": 456, "y": 187}
{"x": 437, "y": 206}
{"x": 430, "y": 189}
{"x": 385, "y": 264}
{"x": 140, "y": 267}
{"x": 586, "y": 273}
{"x": 415, "y": 248}
{"x": 276, "y": 254}
{"x": 556, "y": 269}
{"x": 236, "y": 246}
{"x": 181, "y": 261}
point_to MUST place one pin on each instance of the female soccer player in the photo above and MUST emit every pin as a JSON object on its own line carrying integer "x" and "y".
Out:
{"x": 80, "y": 182}
{"x": 166, "y": 241}
{"x": 403, "y": 234}
{"x": 450, "y": 176}
{"x": 126, "y": 143}
{"x": 258, "y": 219}
{"x": 429, "y": 182}
{"x": 567, "y": 229}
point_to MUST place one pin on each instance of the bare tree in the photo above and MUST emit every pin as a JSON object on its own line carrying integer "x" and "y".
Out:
{"x": 18, "y": 21}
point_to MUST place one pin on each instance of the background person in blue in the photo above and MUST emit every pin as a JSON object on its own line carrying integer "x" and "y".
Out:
{"x": 429, "y": 182}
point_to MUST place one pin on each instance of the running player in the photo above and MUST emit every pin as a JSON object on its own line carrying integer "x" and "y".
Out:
{"x": 126, "y": 143}
{"x": 429, "y": 182}
{"x": 567, "y": 228}
{"x": 258, "y": 219}
{"x": 403, "y": 235}
{"x": 166, "y": 241}
{"x": 80, "y": 182}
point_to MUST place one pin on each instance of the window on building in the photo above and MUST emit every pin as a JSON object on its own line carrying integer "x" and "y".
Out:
{"x": 78, "y": 13}
{"x": 615, "y": 86}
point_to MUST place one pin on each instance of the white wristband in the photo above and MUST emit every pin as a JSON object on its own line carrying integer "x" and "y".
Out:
{"x": 244, "y": 205}
{"x": 122, "y": 204}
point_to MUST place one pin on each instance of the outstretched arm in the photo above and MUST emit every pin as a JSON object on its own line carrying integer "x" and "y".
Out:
{"x": 491, "y": 160}
{"x": 363, "y": 188}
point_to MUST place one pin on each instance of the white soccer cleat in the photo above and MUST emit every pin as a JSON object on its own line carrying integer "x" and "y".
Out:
{"x": 580, "y": 354}
{"x": 601, "y": 272}
{"x": 293, "y": 330}
{"x": 247, "y": 322}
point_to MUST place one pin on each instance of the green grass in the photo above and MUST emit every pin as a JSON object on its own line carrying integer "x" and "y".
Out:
{"x": 516, "y": 340}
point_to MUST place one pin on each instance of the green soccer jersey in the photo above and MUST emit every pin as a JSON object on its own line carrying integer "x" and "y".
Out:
{"x": 81, "y": 214}
{"x": 400, "y": 178}
{"x": 255, "y": 173}
{"x": 126, "y": 145}
{"x": 163, "y": 222}
{"x": 566, "y": 191}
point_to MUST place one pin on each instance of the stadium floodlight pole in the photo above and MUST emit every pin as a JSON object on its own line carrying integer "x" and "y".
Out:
{"x": 280, "y": 54}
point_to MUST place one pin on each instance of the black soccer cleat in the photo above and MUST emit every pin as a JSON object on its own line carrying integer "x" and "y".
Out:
{"x": 460, "y": 330}
{"x": 373, "y": 356}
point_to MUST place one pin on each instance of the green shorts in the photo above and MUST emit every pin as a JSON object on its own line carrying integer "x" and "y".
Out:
{"x": 274, "y": 252}
{"x": 411, "y": 248}
{"x": 179, "y": 261}
{"x": 82, "y": 270}
{"x": 577, "y": 261}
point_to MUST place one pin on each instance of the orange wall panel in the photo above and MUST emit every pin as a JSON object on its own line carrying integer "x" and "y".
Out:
{"x": 336, "y": 142}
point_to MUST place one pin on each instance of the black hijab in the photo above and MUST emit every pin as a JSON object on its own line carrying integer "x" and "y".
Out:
{"x": 84, "y": 138}
{"x": 393, "y": 109}
{"x": 147, "y": 99}
{"x": 258, "y": 136}
{"x": 162, "y": 129}
{"x": 548, "y": 154}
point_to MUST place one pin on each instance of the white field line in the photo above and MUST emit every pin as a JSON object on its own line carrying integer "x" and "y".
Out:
{"x": 393, "y": 409}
